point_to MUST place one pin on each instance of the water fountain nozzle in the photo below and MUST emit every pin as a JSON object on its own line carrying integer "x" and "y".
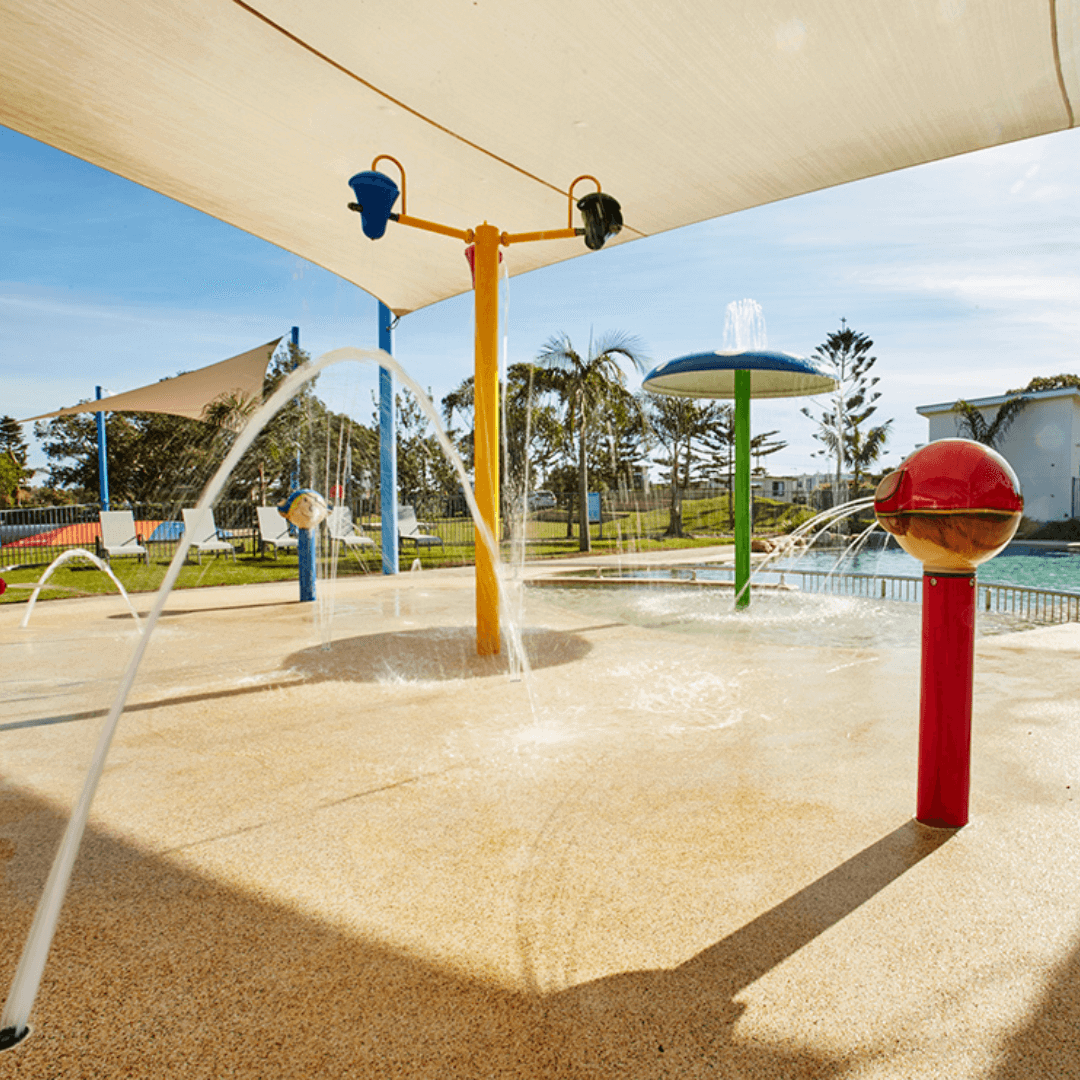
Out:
{"x": 602, "y": 216}
{"x": 376, "y": 194}
{"x": 12, "y": 1036}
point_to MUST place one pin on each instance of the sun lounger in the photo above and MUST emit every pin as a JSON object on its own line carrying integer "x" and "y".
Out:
{"x": 274, "y": 530}
{"x": 340, "y": 526}
{"x": 118, "y": 536}
{"x": 409, "y": 529}
{"x": 204, "y": 534}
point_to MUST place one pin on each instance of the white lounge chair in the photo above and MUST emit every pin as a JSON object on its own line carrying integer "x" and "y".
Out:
{"x": 409, "y": 529}
{"x": 204, "y": 534}
{"x": 118, "y": 536}
{"x": 274, "y": 530}
{"x": 340, "y": 526}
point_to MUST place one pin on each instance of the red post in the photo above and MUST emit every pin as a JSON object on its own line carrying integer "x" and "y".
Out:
{"x": 948, "y": 659}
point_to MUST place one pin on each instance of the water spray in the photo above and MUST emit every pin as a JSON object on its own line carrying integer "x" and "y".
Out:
{"x": 14, "y": 1019}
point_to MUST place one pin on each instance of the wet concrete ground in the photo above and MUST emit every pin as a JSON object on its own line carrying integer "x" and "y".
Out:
{"x": 661, "y": 856}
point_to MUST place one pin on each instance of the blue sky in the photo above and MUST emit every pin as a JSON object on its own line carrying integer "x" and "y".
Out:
{"x": 966, "y": 274}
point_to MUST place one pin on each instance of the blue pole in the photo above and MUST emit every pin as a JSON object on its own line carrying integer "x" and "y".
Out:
{"x": 306, "y": 550}
{"x": 102, "y": 459}
{"x": 387, "y": 451}
{"x": 305, "y": 547}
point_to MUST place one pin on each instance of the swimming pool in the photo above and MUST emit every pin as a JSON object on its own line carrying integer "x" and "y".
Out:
{"x": 1019, "y": 564}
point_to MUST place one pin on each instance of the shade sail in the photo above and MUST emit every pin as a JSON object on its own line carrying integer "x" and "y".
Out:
{"x": 259, "y": 112}
{"x": 190, "y": 393}
{"x": 712, "y": 375}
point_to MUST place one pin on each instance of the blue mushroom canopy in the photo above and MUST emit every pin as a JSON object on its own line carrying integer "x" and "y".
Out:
{"x": 712, "y": 375}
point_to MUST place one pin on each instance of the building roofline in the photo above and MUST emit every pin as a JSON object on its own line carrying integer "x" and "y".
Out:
{"x": 1000, "y": 399}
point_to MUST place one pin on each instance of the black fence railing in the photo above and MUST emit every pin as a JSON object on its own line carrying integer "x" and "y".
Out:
{"x": 35, "y": 536}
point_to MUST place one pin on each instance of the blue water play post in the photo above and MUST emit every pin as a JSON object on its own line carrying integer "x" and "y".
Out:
{"x": 102, "y": 458}
{"x": 306, "y": 550}
{"x": 387, "y": 450}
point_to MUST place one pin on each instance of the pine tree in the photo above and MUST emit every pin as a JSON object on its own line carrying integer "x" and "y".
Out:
{"x": 845, "y": 355}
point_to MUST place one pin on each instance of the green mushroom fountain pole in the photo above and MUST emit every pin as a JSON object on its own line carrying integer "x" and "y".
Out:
{"x": 742, "y": 489}
{"x": 740, "y": 375}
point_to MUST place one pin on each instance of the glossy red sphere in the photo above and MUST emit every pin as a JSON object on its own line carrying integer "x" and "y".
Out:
{"x": 952, "y": 504}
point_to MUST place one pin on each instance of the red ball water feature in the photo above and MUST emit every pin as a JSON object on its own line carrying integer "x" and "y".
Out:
{"x": 953, "y": 504}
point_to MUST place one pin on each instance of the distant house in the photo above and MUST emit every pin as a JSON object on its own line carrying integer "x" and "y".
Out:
{"x": 792, "y": 489}
{"x": 1042, "y": 444}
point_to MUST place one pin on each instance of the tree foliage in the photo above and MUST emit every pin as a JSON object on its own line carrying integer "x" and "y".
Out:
{"x": 845, "y": 355}
{"x": 971, "y": 424}
{"x": 422, "y": 468}
{"x": 679, "y": 424}
{"x": 152, "y": 457}
{"x": 14, "y": 473}
{"x": 586, "y": 384}
{"x": 1049, "y": 382}
{"x": 532, "y": 434}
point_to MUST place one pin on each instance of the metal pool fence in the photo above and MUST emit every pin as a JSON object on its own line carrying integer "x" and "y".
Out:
{"x": 1024, "y": 601}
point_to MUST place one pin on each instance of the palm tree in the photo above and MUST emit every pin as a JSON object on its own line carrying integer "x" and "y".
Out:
{"x": 231, "y": 411}
{"x": 584, "y": 383}
{"x": 971, "y": 424}
{"x": 863, "y": 450}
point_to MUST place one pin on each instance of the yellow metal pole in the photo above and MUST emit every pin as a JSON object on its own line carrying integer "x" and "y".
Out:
{"x": 486, "y": 439}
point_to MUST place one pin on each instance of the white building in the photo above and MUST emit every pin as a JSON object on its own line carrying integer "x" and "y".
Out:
{"x": 797, "y": 489}
{"x": 1042, "y": 444}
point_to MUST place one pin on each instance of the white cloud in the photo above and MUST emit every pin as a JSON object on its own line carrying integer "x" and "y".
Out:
{"x": 977, "y": 286}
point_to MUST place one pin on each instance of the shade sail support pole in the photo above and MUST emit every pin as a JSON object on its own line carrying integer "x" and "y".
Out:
{"x": 387, "y": 449}
{"x": 102, "y": 458}
{"x": 486, "y": 444}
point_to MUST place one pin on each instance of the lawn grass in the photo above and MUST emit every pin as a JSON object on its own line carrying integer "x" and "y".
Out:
{"x": 85, "y": 579}
{"x": 704, "y": 519}
{"x": 708, "y": 517}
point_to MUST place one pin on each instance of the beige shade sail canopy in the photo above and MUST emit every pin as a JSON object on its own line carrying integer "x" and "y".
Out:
{"x": 190, "y": 393}
{"x": 258, "y": 112}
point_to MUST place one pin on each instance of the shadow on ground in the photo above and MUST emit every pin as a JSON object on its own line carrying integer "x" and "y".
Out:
{"x": 158, "y": 971}
{"x": 431, "y": 654}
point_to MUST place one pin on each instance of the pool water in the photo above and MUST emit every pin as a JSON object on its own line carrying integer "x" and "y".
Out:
{"x": 806, "y": 617}
{"x": 1017, "y": 565}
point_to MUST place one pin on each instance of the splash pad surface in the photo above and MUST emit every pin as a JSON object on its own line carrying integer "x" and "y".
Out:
{"x": 377, "y": 857}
